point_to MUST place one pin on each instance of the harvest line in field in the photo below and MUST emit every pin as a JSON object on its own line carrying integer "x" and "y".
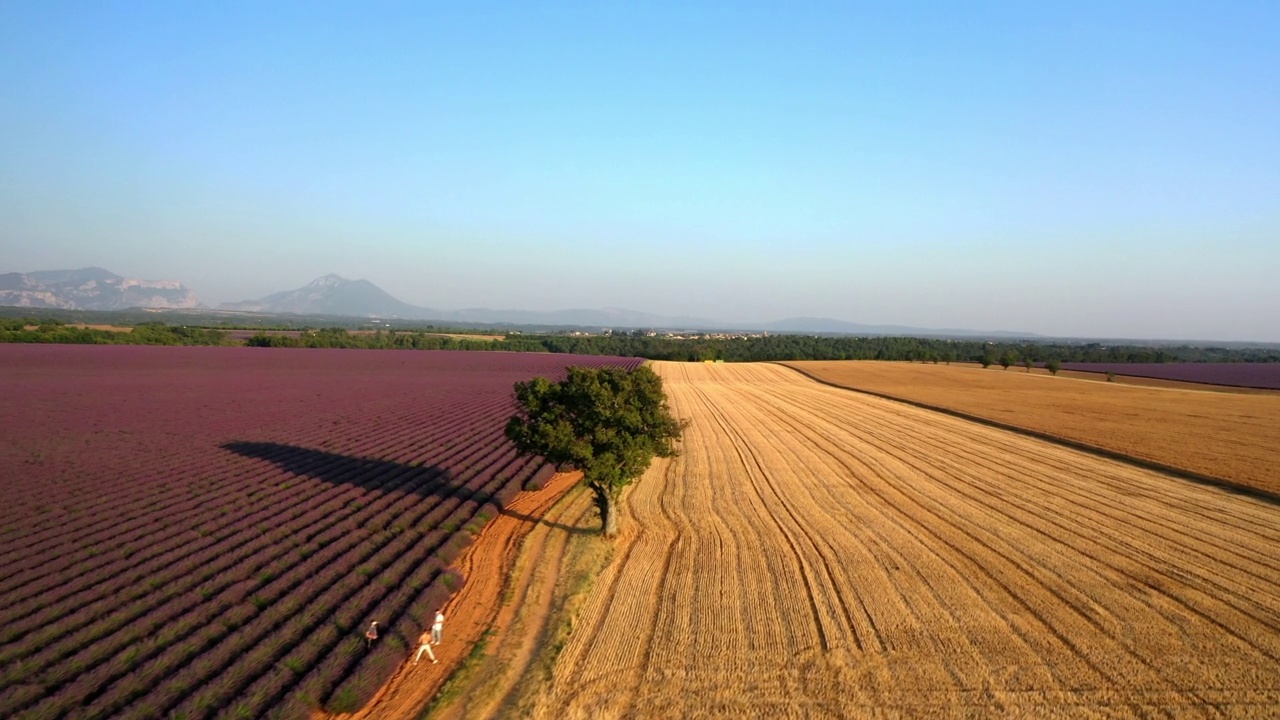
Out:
{"x": 820, "y": 552}
{"x": 1226, "y": 438}
{"x": 1092, "y": 448}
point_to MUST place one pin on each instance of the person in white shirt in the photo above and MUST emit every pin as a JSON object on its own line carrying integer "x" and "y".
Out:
{"x": 437, "y": 628}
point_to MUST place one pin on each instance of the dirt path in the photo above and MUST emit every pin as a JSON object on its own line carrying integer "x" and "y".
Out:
{"x": 562, "y": 552}
{"x": 819, "y": 553}
{"x": 486, "y": 564}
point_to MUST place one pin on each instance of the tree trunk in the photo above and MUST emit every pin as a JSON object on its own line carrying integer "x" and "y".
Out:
{"x": 607, "y": 504}
{"x": 611, "y": 516}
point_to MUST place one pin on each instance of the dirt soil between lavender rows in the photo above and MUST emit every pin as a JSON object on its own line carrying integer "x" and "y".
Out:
{"x": 1234, "y": 436}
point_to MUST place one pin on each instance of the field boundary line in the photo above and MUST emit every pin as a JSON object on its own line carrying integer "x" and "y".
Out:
{"x": 1180, "y": 473}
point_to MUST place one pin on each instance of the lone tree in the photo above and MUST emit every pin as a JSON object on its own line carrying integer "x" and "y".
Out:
{"x": 608, "y": 423}
{"x": 1053, "y": 365}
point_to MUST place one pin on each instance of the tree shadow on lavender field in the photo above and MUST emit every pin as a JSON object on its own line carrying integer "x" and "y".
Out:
{"x": 427, "y": 481}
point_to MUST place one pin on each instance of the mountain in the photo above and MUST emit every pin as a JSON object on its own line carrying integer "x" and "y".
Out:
{"x": 833, "y": 326}
{"x": 337, "y": 296}
{"x": 91, "y": 289}
{"x": 604, "y": 318}
{"x": 334, "y": 295}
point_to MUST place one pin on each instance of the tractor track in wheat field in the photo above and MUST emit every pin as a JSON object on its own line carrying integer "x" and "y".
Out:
{"x": 820, "y": 553}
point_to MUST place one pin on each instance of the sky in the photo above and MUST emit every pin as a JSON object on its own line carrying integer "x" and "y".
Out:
{"x": 1105, "y": 169}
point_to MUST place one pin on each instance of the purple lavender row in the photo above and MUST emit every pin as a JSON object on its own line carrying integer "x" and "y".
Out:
{"x": 1247, "y": 375}
{"x": 131, "y": 637}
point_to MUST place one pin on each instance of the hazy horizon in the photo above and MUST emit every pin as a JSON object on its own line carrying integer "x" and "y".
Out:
{"x": 1091, "y": 170}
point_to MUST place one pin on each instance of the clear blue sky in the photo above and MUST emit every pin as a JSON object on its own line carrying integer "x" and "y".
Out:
{"x": 1099, "y": 169}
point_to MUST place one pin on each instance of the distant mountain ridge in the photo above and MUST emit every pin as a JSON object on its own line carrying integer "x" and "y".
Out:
{"x": 91, "y": 288}
{"x": 335, "y": 295}
{"x": 831, "y": 325}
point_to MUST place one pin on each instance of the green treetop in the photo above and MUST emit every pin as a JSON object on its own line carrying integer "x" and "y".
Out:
{"x": 608, "y": 423}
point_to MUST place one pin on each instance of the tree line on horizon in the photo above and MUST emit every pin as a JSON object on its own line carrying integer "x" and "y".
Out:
{"x": 696, "y": 349}
{"x": 46, "y": 330}
{"x": 938, "y": 350}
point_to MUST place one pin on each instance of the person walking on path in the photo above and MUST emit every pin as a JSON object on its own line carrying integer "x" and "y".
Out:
{"x": 424, "y": 645}
{"x": 370, "y": 635}
{"x": 437, "y": 628}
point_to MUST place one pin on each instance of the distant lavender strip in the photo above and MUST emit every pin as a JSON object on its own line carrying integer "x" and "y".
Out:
{"x": 1248, "y": 375}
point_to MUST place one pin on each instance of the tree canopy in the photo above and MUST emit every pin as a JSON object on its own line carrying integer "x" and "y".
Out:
{"x": 607, "y": 422}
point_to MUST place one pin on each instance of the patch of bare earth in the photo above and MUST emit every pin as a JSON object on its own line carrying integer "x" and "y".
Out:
{"x": 1234, "y": 436}
{"x": 820, "y": 553}
{"x": 87, "y": 326}
{"x": 467, "y": 336}
{"x": 529, "y": 529}
{"x": 557, "y": 564}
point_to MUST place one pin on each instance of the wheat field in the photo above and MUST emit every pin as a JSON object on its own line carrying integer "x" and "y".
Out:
{"x": 815, "y": 552}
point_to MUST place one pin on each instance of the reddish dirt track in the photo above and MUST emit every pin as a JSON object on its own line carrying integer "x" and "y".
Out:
{"x": 476, "y": 609}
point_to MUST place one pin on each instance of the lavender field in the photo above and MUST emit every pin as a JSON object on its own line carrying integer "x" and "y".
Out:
{"x": 1247, "y": 375}
{"x": 199, "y": 532}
